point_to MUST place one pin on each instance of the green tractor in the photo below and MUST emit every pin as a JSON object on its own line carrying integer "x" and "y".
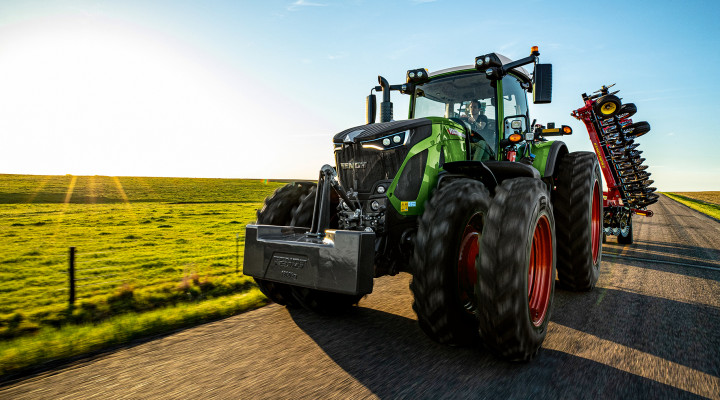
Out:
{"x": 467, "y": 195}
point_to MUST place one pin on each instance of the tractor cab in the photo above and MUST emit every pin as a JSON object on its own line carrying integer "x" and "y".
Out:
{"x": 469, "y": 98}
{"x": 483, "y": 108}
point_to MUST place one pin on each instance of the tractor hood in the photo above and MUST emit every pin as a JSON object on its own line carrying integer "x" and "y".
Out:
{"x": 364, "y": 133}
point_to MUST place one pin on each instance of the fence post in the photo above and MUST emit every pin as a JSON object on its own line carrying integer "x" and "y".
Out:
{"x": 71, "y": 274}
{"x": 237, "y": 252}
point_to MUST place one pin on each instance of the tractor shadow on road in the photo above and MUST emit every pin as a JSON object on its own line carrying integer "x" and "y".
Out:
{"x": 707, "y": 254}
{"x": 390, "y": 356}
{"x": 664, "y": 253}
{"x": 684, "y": 333}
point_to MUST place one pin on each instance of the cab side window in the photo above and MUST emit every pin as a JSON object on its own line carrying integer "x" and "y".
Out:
{"x": 514, "y": 97}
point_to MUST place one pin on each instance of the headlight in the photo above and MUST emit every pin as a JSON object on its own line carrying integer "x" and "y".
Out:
{"x": 387, "y": 142}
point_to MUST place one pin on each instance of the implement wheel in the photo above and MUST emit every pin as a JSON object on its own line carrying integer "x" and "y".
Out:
{"x": 607, "y": 106}
{"x": 627, "y": 110}
{"x": 578, "y": 205}
{"x": 278, "y": 210}
{"x": 637, "y": 129}
{"x": 626, "y": 230}
{"x": 516, "y": 273}
{"x": 447, "y": 247}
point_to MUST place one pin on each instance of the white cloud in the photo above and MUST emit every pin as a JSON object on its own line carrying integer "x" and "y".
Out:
{"x": 337, "y": 56}
{"x": 302, "y": 3}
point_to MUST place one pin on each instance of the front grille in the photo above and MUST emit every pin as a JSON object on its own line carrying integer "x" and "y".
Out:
{"x": 360, "y": 168}
{"x": 363, "y": 167}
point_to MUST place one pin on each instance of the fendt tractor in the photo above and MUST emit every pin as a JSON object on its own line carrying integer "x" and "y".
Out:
{"x": 467, "y": 195}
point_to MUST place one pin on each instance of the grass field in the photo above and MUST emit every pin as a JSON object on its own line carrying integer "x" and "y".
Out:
{"x": 141, "y": 244}
{"x": 706, "y": 202}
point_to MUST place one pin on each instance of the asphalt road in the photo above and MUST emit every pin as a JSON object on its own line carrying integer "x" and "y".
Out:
{"x": 651, "y": 329}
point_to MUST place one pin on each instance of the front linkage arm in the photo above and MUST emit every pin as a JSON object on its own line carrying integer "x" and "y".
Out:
{"x": 321, "y": 212}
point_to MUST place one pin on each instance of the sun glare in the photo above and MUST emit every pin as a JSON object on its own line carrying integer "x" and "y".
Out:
{"x": 84, "y": 96}
{"x": 101, "y": 94}
{"x": 70, "y": 189}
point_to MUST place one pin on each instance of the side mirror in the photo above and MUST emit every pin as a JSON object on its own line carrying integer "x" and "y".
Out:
{"x": 370, "y": 109}
{"x": 542, "y": 84}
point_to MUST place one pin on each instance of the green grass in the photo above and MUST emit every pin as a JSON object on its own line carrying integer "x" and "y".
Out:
{"x": 142, "y": 245}
{"x": 705, "y": 202}
{"x": 71, "y": 340}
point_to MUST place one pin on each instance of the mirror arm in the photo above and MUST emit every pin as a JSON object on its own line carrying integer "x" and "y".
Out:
{"x": 519, "y": 63}
{"x": 390, "y": 88}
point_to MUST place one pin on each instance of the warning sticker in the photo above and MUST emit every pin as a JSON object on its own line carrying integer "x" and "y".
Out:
{"x": 403, "y": 206}
{"x": 455, "y": 132}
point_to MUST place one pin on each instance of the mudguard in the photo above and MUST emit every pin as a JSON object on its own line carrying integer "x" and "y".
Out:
{"x": 547, "y": 155}
{"x": 341, "y": 262}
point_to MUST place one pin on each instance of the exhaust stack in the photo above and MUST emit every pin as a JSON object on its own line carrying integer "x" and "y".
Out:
{"x": 386, "y": 107}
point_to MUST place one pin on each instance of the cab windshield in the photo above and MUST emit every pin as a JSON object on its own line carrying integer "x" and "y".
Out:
{"x": 468, "y": 97}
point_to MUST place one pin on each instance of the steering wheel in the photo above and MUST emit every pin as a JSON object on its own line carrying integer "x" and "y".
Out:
{"x": 475, "y": 136}
{"x": 468, "y": 128}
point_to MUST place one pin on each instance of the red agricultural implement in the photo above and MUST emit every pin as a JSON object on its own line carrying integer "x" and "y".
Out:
{"x": 613, "y": 135}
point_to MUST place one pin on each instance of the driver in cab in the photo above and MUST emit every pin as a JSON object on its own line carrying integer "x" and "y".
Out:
{"x": 481, "y": 137}
{"x": 477, "y": 121}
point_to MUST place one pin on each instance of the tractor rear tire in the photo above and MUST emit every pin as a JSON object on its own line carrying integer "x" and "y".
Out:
{"x": 578, "y": 205}
{"x": 516, "y": 273}
{"x": 319, "y": 301}
{"x": 626, "y": 234}
{"x": 278, "y": 210}
{"x": 444, "y": 261}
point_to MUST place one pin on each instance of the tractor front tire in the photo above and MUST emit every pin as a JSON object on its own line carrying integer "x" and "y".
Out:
{"x": 444, "y": 261}
{"x": 304, "y": 212}
{"x": 278, "y": 209}
{"x": 578, "y": 205}
{"x": 322, "y": 302}
{"x": 516, "y": 273}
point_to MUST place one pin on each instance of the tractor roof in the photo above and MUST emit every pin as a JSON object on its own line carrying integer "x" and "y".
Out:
{"x": 519, "y": 70}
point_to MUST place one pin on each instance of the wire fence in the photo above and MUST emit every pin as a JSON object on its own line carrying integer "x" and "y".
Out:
{"x": 82, "y": 272}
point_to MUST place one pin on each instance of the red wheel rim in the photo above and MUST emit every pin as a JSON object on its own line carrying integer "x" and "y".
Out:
{"x": 540, "y": 272}
{"x": 469, "y": 252}
{"x": 595, "y": 223}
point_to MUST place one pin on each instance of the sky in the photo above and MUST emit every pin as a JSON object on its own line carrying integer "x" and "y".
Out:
{"x": 257, "y": 89}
